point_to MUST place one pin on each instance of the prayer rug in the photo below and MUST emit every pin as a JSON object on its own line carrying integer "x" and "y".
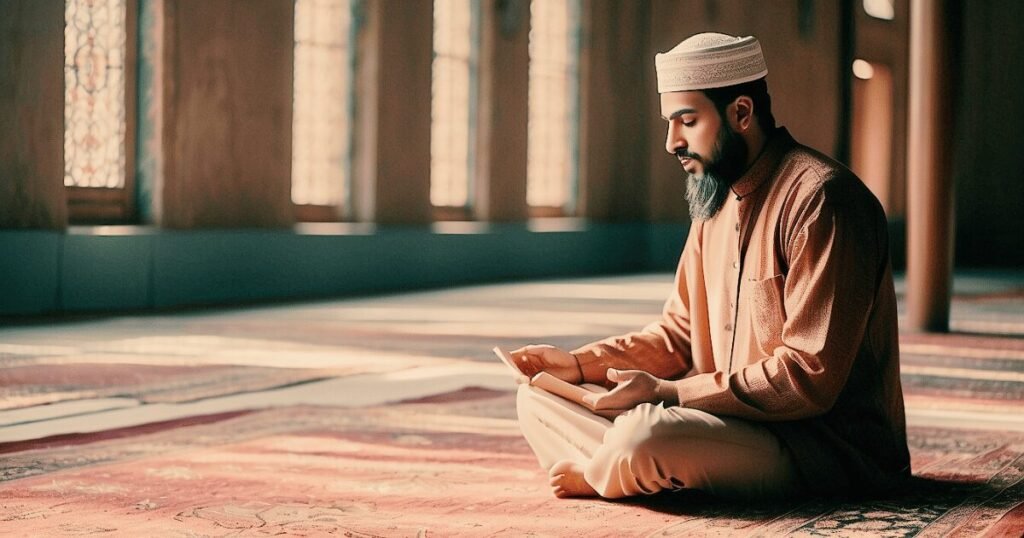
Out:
{"x": 449, "y": 465}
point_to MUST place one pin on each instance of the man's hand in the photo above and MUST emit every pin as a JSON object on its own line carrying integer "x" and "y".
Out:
{"x": 634, "y": 387}
{"x": 544, "y": 358}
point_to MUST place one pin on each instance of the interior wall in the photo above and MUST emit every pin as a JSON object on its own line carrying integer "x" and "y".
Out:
{"x": 228, "y": 114}
{"x": 886, "y": 42}
{"x": 989, "y": 178}
{"x": 32, "y": 114}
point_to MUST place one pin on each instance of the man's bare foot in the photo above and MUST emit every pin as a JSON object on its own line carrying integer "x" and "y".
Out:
{"x": 567, "y": 480}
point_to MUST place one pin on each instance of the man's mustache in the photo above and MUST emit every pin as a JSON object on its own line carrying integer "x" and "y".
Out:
{"x": 684, "y": 154}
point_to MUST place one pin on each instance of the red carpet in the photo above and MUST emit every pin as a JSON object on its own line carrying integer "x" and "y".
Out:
{"x": 450, "y": 464}
{"x": 457, "y": 467}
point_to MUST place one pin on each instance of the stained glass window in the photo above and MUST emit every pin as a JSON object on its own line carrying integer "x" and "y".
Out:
{"x": 551, "y": 152}
{"x": 320, "y": 128}
{"x": 450, "y": 104}
{"x": 94, "y": 93}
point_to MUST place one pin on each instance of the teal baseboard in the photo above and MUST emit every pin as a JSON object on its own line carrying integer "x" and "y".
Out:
{"x": 133, "y": 268}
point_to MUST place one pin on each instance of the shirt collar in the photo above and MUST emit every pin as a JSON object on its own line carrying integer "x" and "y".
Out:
{"x": 778, "y": 143}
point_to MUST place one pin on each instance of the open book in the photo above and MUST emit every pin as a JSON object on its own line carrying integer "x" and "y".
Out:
{"x": 548, "y": 382}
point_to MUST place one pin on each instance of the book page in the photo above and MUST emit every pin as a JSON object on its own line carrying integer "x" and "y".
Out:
{"x": 550, "y": 383}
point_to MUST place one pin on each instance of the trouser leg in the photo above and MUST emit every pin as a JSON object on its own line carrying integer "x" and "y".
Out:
{"x": 653, "y": 448}
{"x": 557, "y": 429}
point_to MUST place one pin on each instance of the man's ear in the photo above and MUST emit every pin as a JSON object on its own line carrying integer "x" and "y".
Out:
{"x": 743, "y": 113}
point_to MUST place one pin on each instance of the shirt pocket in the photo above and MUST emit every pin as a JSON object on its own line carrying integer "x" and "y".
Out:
{"x": 768, "y": 312}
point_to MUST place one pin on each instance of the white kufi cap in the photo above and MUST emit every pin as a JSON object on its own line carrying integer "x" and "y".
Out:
{"x": 710, "y": 60}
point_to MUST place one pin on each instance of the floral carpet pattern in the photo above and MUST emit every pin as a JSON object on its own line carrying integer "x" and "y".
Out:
{"x": 452, "y": 463}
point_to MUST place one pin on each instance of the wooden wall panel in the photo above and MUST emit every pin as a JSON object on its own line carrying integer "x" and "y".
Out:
{"x": 989, "y": 131}
{"x": 393, "y": 88}
{"x": 32, "y": 114}
{"x": 503, "y": 111}
{"x": 615, "y": 81}
{"x": 228, "y": 113}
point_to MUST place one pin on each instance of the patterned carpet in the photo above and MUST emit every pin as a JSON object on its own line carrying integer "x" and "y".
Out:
{"x": 452, "y": 464}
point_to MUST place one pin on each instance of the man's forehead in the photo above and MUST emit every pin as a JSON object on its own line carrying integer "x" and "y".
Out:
{"x": 673, "y": 102}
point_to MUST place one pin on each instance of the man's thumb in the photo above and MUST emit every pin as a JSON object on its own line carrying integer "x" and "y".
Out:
{"x": 620, "y": 376}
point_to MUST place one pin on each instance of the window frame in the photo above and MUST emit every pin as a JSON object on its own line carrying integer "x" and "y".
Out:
{"x": 572, "y": 204}
{"x": 343, "y": 211}
{"x": 115, "y": 205}
{"x": 467, "y": 212}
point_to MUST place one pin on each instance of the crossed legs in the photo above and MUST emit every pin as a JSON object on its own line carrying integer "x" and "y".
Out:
{"x": 650, "y": 449}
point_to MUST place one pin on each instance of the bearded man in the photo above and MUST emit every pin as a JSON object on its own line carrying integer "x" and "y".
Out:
{"x": 774, "y": 368}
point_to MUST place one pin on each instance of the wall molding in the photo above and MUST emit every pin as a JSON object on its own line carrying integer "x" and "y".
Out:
{"x": 139, "y": 268}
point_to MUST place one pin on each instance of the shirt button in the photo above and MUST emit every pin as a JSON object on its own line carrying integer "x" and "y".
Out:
{"x": 736, "y": 265}
{"x": 737, "y": 226}
{"x": 728, "y": 326}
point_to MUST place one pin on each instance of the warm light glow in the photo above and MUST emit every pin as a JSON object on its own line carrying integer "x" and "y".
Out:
{"x": 880, "y": 9}
{"x": 551, "y": 156}
{"x": 450, "y": 104}
{"x": 94, "y": 107}
{"x": 862, "y": 69}
{"x": 320, "y": 125}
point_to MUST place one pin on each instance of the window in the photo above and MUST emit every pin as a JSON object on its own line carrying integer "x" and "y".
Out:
{"x": 554, "y": 85}
{"x": 321, "y": 124}
{"x": 454, "y": 70}
{"x": 99, "y": 56}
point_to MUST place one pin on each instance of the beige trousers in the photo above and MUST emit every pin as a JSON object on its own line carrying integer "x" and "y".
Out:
{"x": 653, "y": 448}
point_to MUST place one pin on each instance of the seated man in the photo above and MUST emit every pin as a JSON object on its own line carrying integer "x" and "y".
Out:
{"x": 774, "y": 369}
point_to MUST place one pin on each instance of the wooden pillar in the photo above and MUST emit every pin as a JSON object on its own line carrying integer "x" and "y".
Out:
{"x": 930, "y": 183}
{"x": 32, "y": 114}
{"x": 616, "y": 85}
{"x": 503, "y": 111}
{"x": 392, "y": 138}
{"x": 226, "y": 113}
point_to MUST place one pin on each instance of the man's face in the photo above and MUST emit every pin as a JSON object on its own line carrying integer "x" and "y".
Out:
{"x": 711, "y": 153}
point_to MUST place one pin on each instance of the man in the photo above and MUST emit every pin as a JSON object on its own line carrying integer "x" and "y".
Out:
{"x": 774, "y": 369}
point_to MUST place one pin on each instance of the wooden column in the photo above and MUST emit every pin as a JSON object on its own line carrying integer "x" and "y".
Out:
{"x": 227, "y": 113}
{"x": 32, "y": 114}
{"x": 503, "y": 111}
{"x": 616, "y": 85}
{"x": 929, "y": 164}
{"x": 392, "y": 138}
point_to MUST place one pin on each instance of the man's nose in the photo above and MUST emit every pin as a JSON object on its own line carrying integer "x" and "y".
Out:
{"x": 674, "y": 141}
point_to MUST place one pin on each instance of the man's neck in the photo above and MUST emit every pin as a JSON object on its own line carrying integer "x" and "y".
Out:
{"x": 756, "y": 140}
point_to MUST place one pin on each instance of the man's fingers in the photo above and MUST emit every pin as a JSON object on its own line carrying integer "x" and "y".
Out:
{"x": 604, "y": 400}
{"x": 621, "y": 376}
{"x": 530, "y": 364}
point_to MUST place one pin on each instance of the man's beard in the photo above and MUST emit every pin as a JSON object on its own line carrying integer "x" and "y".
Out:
{"x": 706, "y": 193}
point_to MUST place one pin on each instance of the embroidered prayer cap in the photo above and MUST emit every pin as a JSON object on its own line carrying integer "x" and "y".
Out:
{"x": 710, "y": 60}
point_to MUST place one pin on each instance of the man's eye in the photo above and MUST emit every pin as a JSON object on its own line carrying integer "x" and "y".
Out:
{"x": 690, "y": 123}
